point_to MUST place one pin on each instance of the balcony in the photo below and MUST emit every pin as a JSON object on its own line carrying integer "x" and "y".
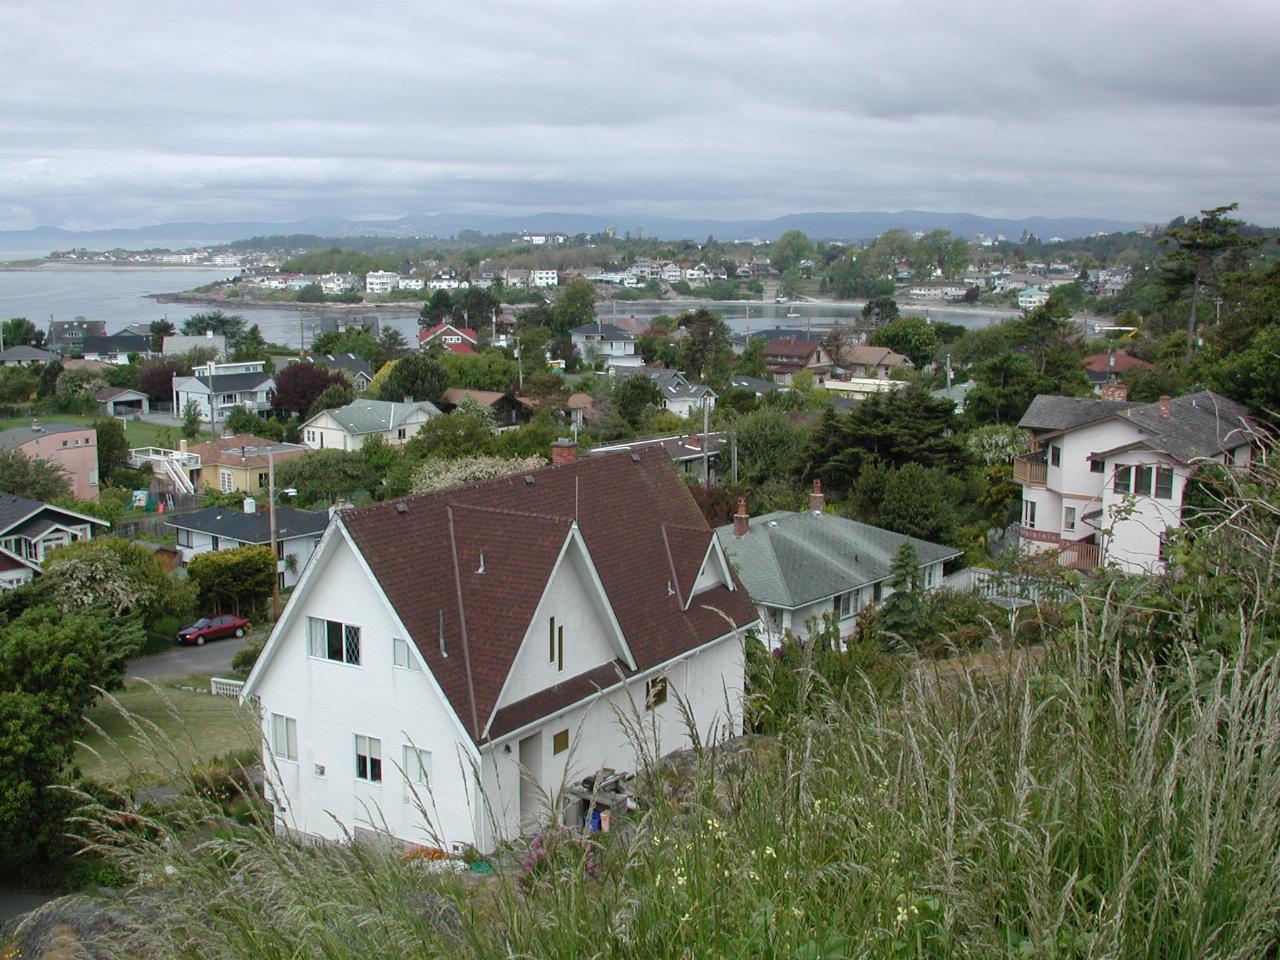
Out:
{"x": 1031, "y": 468}
{"x": 1080, "y": 556}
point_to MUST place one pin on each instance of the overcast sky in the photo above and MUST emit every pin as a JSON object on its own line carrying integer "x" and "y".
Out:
{"x": 123, "y": 114}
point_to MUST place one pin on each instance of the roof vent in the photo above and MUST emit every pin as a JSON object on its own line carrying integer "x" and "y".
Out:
{"x": 635, "y": 458}
{"x": 528, "y": 478}
{"x": 402, "y": 507}
{"x": 480, "y": 569}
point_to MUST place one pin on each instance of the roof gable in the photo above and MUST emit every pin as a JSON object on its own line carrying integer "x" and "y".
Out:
{"x": 425, "y": 551}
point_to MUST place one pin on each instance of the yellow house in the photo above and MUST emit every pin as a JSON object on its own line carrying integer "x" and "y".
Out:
{"x": 238, "y": 463}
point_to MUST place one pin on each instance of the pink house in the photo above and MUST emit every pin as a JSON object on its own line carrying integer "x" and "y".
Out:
{"x": 73, "y": 447}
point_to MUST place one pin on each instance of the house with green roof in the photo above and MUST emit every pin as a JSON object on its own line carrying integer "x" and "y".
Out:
{"x": 801, "y": 565}
{"x": 347, "y": 428}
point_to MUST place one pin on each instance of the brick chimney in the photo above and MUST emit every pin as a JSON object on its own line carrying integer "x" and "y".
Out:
{"x": 741, "y": 519}
{"x": 816, "y": 498}
{"x": 1164, "y": 407}
{"x": 1114, "y": 391}
{"x": 564, "y": 450}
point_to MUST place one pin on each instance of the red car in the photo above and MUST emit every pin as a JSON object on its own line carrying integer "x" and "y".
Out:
{"x": 213, "y": 628}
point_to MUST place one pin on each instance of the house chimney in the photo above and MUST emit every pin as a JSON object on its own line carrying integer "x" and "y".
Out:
{"x": 564, "y": 450}
{"x": 815, "y": 498}
{"x": 741, "y": 519}
{"x": 1164, "y": 407}
{"x": 182, "y": 445}
{"x": 250, "y": 505}
{"x": 1114, "y": 391}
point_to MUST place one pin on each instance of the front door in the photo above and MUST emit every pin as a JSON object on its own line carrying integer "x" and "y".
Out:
{"x": 531, "y": 799}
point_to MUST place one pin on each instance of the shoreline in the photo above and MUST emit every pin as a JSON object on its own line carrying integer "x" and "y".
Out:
{"x": 415, "y": 306}
{"x": 31, "y": 264}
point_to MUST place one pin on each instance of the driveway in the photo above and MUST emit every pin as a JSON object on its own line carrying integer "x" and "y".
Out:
{"x": 214, "y": 659}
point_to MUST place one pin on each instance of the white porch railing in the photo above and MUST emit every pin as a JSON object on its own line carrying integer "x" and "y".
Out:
{"x": 173, "y": 465}
{"x": 225, "y": 687}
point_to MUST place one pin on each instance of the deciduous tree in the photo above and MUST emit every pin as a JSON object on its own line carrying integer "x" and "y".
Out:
{"x": 299, "y": 384}
{"x": 35, "y": 479}
{"x": 418, "y": 376}
{"x": 235, "y": 581}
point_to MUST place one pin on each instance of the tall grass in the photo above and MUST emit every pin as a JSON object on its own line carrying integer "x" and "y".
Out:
{"x": 1083, "y": 803}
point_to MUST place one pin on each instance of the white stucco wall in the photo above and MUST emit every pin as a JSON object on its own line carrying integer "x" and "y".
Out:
{"x": 710, "y": 680}
{"x": 332, "y": 702}
{"x": 1137, "y": 522}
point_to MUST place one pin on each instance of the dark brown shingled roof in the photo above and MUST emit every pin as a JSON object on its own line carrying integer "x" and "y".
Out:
{"x": 622, "y": 503}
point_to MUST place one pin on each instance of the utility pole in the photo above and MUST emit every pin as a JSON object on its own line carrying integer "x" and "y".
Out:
{"x": 706, "y": 457}
{"x": 271, "y": 520}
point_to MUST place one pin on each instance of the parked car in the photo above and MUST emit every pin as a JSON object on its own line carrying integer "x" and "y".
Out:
{"x": 213, "y": 628}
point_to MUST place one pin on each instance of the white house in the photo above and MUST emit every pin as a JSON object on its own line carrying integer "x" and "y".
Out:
{"x": 605, "y": 342}
{"x": 218, "y": 388}
{"x": 381, "y": 281}
{"x": 699, "y": 273}
{"x": 800, "y": 566}
{"x": 449, "y": 660}
{"x": 1105, "y": 480}
{"x": 671, "y": 272}
{"x": 347, "y": 428}
{"x": 543, "y": 278}
{"x": 1031, "y": 298}
{"x": 680, "y": 395}
{"x": 29, "y": 530}
{"x": 410, "y": 283}
{"x": 298, "y": 533}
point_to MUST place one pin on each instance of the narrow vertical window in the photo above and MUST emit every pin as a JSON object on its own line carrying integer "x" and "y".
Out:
{"x": 368, "y": 759}
{"x": 551, "y": 640}
{"x": 1164, "y": 483}
{"x": 1142, "y": 481}
{"x": 560, "y": 650}
{"x": 1121, "y": 482}
{"x": 284, "y": 737}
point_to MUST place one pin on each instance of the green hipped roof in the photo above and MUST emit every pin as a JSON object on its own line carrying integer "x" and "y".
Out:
{"x": 792, "y": 559}
{"x": 377, "y": 416}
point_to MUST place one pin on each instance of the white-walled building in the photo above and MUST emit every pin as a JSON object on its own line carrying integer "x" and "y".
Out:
{"x": 604, "y": 343}
{"x": 30, "y": 530}
{"x": 451, "y": 659}
{"x": 347, "y": 428}
{"x": 221, "y": 387}
{"x": 543, "y": 278}
{"x": 298, "y": 533}
{"x": 381, "y": 281}
{"x": 799, "y": 566}
{"x": 1031, "y": 298}
{"x": 1106, "y": 478}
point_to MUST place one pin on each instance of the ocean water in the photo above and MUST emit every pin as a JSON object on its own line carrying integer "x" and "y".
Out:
{"x": 119, "y": 296}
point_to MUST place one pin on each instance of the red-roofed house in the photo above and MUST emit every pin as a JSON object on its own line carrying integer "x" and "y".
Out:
{"x": 455, "y": 339}
{"x": 475, "y": 648}
{"x": 786, "y": 358}
{"x": 1104, "y": 368}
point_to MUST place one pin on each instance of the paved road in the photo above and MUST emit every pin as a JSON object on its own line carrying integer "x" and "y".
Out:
{"x": 214, "y": 658}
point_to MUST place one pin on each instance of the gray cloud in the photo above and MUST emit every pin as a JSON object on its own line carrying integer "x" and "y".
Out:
{"x": 128, "y": 113}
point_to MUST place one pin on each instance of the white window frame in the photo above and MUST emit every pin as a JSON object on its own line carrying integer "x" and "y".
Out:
{"x": 368, "y": 749}
{"x": 401, "y": 656}
{"x": 1068, "y": 518}
{"x": 284, "y": 737}
{"x": 1029, "y": 514}
{"x": 318, "y": 641}
{"x": 226, "y": 481}
{"x": 417, "y": 771}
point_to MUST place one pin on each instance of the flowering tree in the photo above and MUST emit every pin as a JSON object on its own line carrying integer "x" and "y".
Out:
{"x": 436, "y": 474}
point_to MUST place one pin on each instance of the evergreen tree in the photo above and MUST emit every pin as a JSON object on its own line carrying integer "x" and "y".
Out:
{"x": 903, "y": 612}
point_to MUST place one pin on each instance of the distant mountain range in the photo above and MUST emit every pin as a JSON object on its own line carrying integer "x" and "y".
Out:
{"x": 821, "y": 226}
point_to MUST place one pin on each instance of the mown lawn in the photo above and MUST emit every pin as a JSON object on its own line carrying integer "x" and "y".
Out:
{"x": 178, "y": 727}
{"x": 137, "y": 432}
